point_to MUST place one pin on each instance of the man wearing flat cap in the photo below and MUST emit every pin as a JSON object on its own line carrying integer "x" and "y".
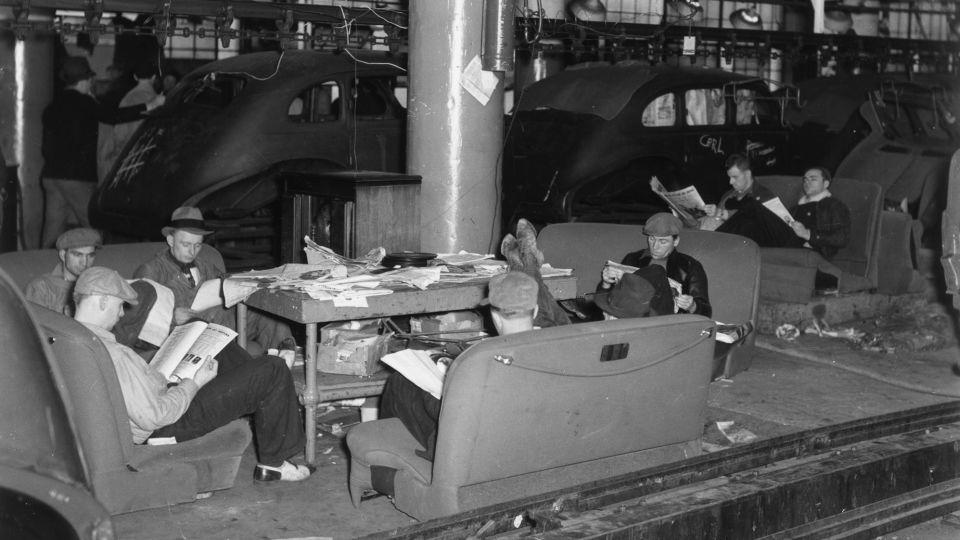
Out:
{"x": 69, "y": 147}
{"x": 224, "y": 389}
{"x": 663, "y": 237}
{"x": 77, "y": 249}
{"x": 183, "y": 268}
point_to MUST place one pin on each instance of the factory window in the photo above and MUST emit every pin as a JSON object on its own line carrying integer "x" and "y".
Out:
{"x": 705, "y": 107}
{"x": 318, "y": 103}
{"x": 660, "y": 112}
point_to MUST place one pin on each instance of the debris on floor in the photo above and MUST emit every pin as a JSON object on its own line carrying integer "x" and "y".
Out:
{"x": 735, "y": 435}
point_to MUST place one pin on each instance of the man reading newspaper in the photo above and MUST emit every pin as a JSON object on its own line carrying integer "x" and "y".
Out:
{"x": 218, "y": 393}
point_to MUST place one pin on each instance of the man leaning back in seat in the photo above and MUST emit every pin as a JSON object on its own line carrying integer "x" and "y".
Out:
{"x": 180, "y": 268}
{"x": 221, "y": 392}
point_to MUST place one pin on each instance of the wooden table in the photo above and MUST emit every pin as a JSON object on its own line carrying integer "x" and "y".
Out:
{"x": 300, "y": 308}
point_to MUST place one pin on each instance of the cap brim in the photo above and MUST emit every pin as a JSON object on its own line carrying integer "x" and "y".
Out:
{"x": 602, "y": 300}
{"x": 167, "y": 231}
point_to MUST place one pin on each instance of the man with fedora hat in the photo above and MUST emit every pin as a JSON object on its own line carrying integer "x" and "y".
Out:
{"x": 77, "y": 249}
{"x": 69, "y": 146}
{"x": 224, "y": 389}
{"x": 663, "y": 237}
{"x": 182, "y": 268}
{"x": 644, "y": 293}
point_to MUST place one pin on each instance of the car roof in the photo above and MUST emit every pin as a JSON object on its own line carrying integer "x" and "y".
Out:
{"x": 605, "y": 91}
{"x": 270, "y": 69}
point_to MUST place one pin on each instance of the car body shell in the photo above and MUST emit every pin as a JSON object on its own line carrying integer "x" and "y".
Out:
{"x": 228, "y": 126}
{"x": 883, "y": 129}
{"x": 579, "y": 146}
{"x": 44, "y": 492}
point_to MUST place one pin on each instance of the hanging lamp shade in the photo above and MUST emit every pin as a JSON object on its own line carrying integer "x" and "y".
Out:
{"x": 746, "y": 19}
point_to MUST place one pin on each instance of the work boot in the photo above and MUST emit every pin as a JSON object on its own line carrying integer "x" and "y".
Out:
{"x": 510, "y": 249}
{"x": 530, "y": 254}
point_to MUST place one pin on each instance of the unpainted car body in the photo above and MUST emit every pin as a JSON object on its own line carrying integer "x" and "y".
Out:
{"x": 583, "y": 144}
{"x": 43, "y": 481}
{"x": 883, "y": 129}
{"x": 228, "y": 127}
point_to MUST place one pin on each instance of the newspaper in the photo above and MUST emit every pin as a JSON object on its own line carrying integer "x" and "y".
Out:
{"x": 418, "y": 368}
{"x": 187, "y": 348}
{"x": 686, "y": 203}
{"x": 222, "y": 292}
{"x": 776, "y": 206}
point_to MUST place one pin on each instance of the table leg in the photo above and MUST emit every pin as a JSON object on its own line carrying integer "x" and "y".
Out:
{"x": 242, "y": 324}
{"x": 310, "y": 393}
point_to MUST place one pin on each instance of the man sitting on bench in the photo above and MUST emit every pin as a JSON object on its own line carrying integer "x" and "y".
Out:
{"x": 663, "y": 238}
{"x": 220, "y": 392}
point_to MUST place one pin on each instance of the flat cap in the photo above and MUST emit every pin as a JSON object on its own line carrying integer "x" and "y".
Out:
{"x": 513, "y": 291}
{"x": 81, "y": 237}
{"x": 186, "y": 218}
{"x": 105, "y": 281}
{"x": 662, "y": 224}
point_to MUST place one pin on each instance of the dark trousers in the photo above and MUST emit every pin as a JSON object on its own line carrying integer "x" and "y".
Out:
{"x": 244, "y": 385}
{"x": 418, "y": 410}
{"x": 759, "y": 224}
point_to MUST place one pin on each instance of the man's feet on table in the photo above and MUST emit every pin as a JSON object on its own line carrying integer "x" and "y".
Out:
{"x": 286, "y": 472}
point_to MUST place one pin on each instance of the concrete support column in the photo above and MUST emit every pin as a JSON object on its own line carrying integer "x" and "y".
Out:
{"x": 453, "y": 141}
{"x": 26, "y": 87}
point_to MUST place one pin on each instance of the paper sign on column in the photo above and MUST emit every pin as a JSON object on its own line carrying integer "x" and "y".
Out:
{"x": 479, "y": 83}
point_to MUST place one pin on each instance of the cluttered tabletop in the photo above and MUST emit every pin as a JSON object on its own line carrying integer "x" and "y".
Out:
{"x": 331, "y": 287}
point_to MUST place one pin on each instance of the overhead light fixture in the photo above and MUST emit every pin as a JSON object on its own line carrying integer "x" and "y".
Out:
{"x": 686, "y": 8}
{"x": 587, "y": 10}
{"x": 836, "y": 20}
{"x": 746, "y": 19}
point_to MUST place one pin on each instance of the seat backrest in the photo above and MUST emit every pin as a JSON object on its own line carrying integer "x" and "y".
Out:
{"x": 100, "y": 413}
{"x": 732, "y": 263}
{"x": 23, "y": 266}
{"x": 865, "y": 202}
{"x": 560, "y": 396}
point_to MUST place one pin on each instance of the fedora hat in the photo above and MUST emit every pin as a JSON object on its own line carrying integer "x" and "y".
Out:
{"x": 643, "y": 293}
{"x": 186, "y": 218}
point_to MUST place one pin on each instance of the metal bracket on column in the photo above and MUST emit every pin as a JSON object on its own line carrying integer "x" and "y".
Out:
{"x": 93, "y": 12}
{"x": 21, "y": 13}
{"x": 284, "y": 26}
{"x": 165, "y": 24}
{"x": 224, "y": 21}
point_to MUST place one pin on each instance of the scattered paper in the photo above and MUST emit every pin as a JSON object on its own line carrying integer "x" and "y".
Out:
{"x": 479, "y": 83}
{"x": 735, "y": 435}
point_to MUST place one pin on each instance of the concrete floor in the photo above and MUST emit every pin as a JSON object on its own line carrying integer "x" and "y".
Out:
{"x": 791, "y": 386}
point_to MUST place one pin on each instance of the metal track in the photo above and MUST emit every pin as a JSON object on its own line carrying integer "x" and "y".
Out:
{"x": 551, "y": 511}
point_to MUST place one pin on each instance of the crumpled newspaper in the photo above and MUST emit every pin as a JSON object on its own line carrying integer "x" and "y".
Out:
{"x": 787, "y": 332}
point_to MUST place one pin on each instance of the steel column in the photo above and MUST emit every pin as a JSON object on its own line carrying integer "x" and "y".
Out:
{"x": 26, "y": 87}
{"x": 454, "y": 141}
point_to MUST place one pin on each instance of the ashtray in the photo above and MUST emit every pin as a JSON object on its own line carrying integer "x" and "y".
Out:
{"x": 407, "y": 258}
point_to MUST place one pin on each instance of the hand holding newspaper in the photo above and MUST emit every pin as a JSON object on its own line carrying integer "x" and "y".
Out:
{"x": 686, "y": 203}
{"x": 222, "y": 292}
{"x": 776, "y": 206}
{"x": 187, "y": 348}
{"x": 419, "y": 368}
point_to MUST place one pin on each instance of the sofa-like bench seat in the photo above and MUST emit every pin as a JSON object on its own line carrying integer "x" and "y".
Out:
{"x": 547, "y": 409}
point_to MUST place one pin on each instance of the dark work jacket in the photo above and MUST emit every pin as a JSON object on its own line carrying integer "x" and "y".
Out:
{"x": 683, "y": 269}
{"x": 829, "y": 222}
{"x": 70, "y": 128}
